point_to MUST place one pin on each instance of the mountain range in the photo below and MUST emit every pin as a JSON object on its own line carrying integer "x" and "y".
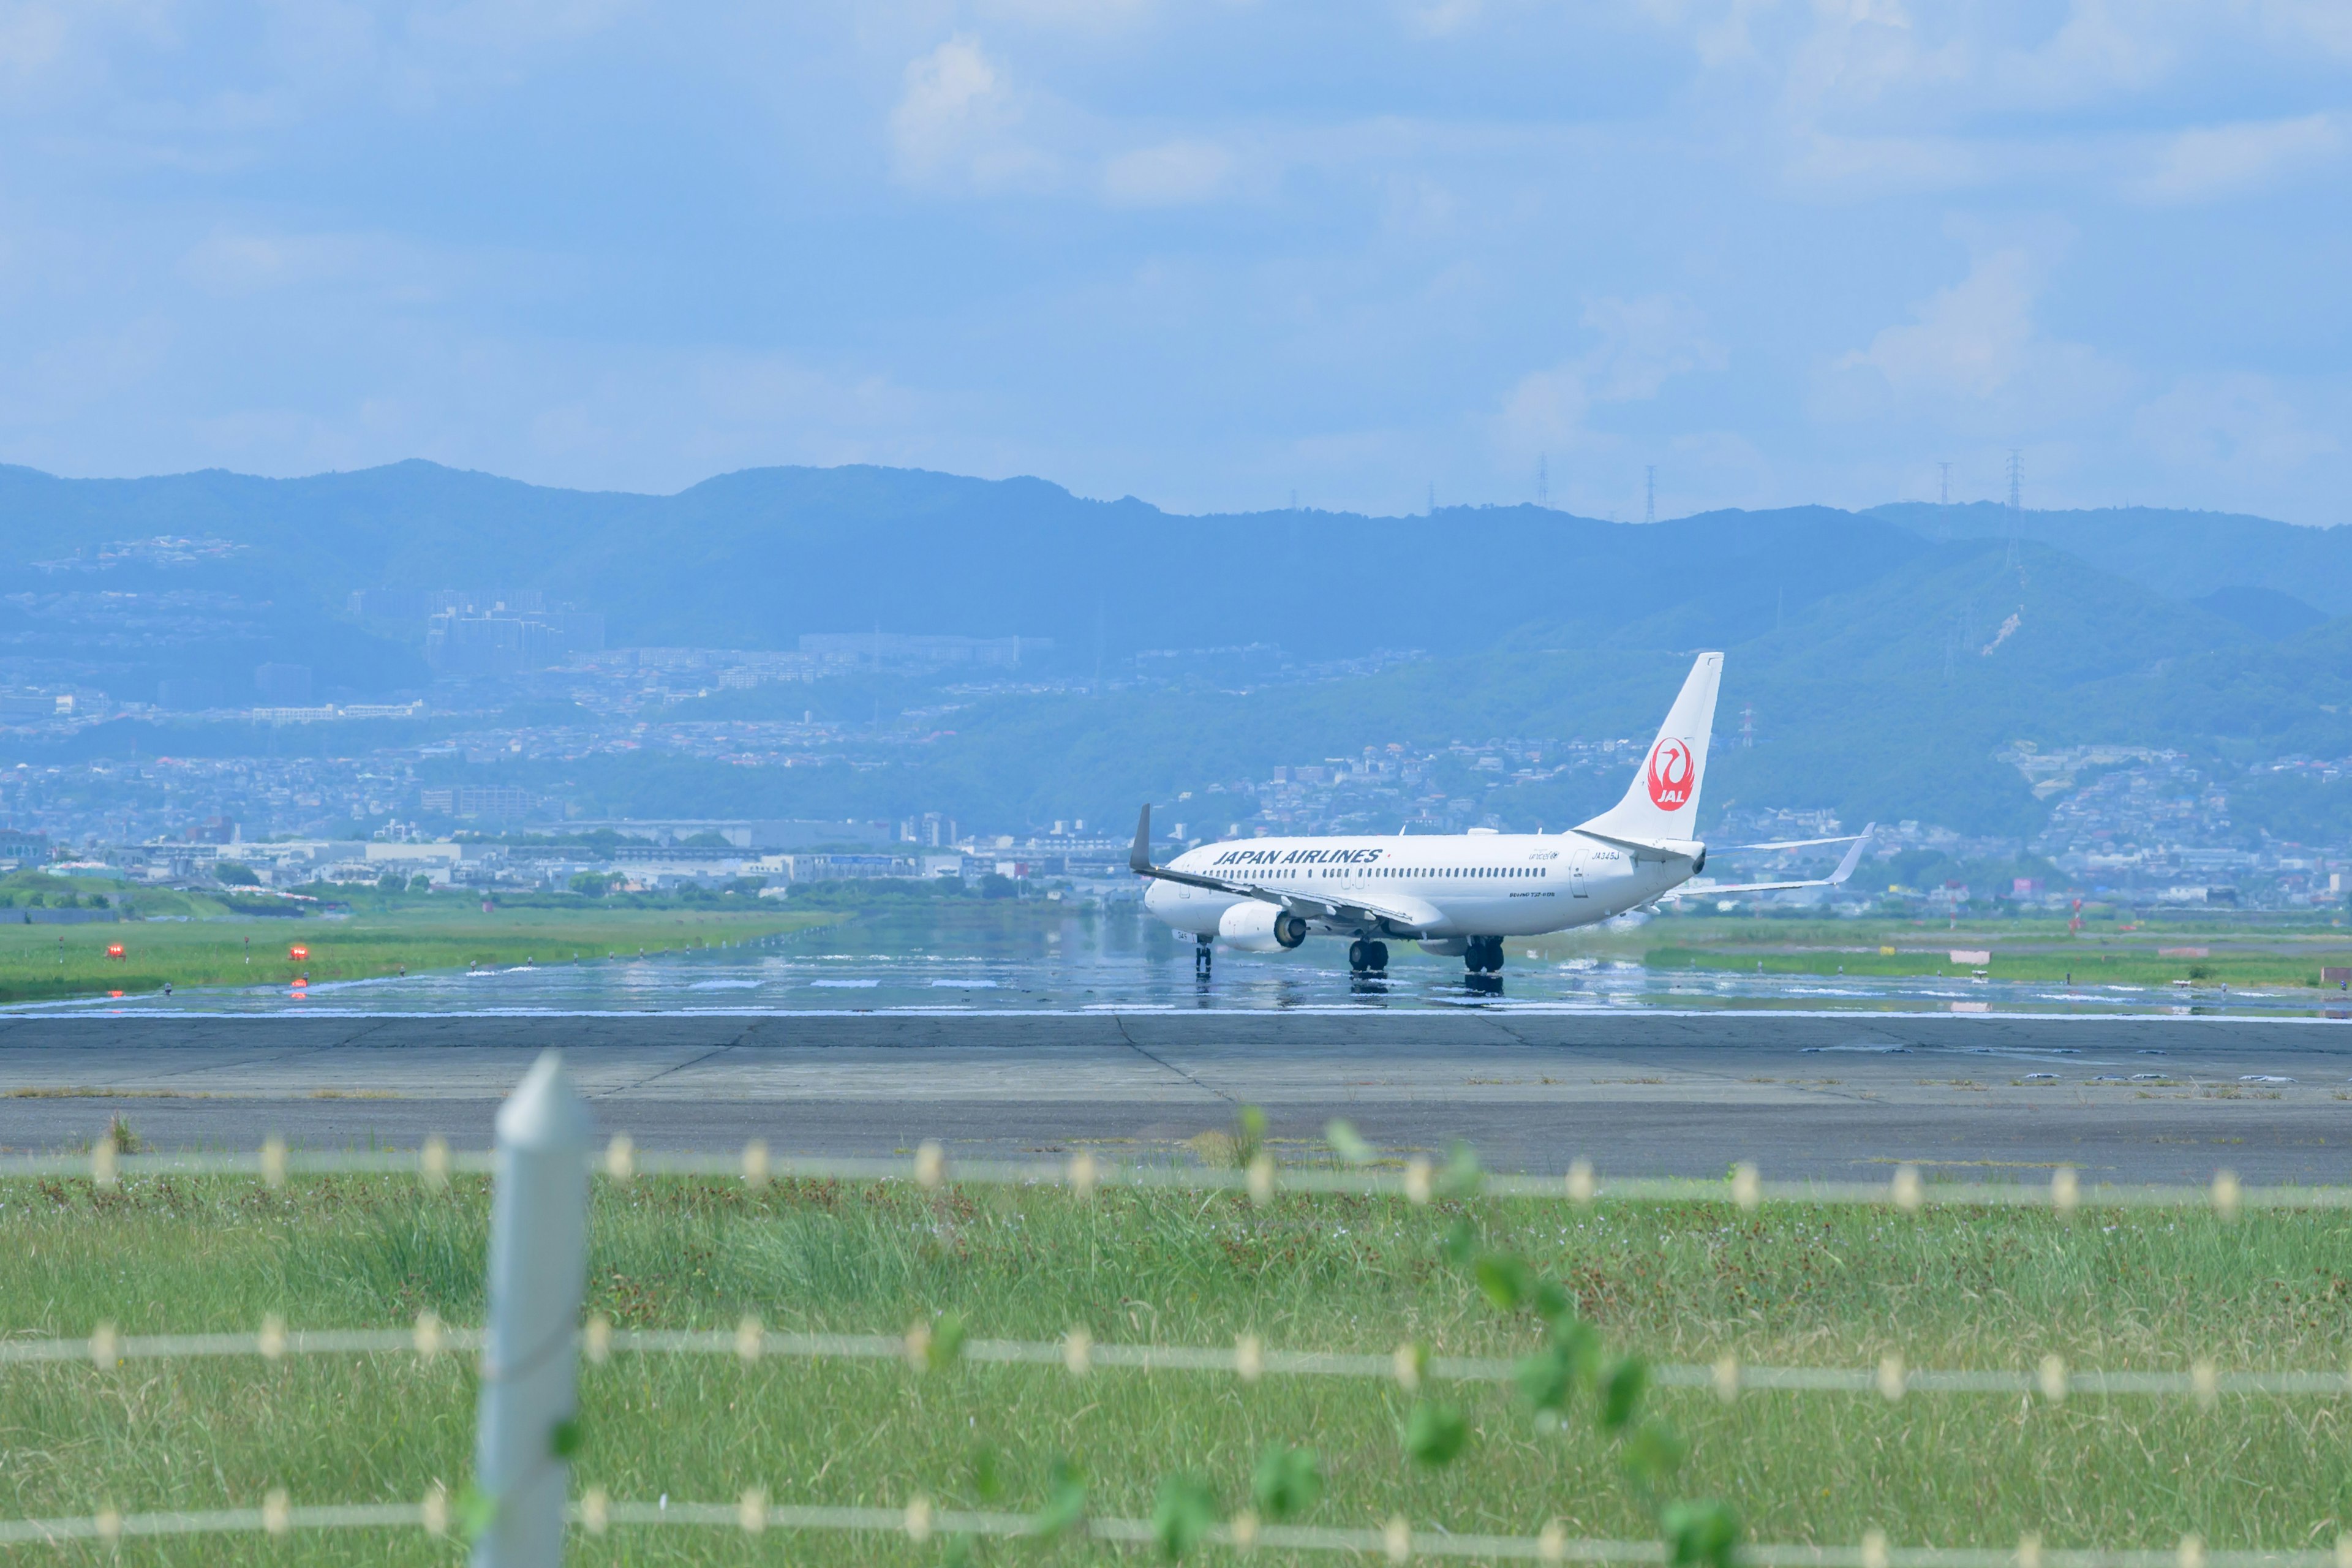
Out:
{"x": 1885, "y": 656}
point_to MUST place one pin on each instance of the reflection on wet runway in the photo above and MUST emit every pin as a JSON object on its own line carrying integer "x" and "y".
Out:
{"x": 1089, "y": 961}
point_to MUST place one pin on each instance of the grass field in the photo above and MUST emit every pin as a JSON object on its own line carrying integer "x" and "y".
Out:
{"x": 38, "y": 962}
{"x": 2267, "y": 953}
{"x": 1788, "y": 1285}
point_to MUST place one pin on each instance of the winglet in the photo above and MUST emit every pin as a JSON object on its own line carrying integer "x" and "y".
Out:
{"x": 1852, "y": 858}
{"x": 1138, "y": 856}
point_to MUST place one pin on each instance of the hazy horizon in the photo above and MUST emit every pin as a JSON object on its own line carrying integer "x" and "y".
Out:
{"x": 1860, "y": 509}
{"x": 1209, "y": 255}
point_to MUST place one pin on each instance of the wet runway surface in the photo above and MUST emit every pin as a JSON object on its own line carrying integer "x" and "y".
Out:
{"x": 1638, "y": 1089}
{"x": 1075, "y": 964}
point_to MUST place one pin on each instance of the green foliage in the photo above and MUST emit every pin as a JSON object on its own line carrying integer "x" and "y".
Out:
{"x": 987, "y": 1474}
{"x": 945, "y": 1346}
{"x": 1621, "y": 1387}
{"x": 1653, "y": 1454}
{"x": 1182, "y": 1515}
{"x": 1347, "y": 1143}
{"x": 1286, "y": 1482}
{"x": 1249, "y": 1134}
{"x": 473, "y": 1510}
{"x": 1460, "y": 1177}
{"x": 1706, "y": 1532}
{"x": 1569, "y": 1361}
{"x": 1505, "y": 1279}
{"x": 235, "y": 874}
{"x": 1434, "y": 1434}
{"x": 1066, "y": 1501}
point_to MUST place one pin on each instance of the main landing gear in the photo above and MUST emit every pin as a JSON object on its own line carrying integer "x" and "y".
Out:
{"x": 1368, "y": 957}
{"x": 1201, "y": 950}
{"x": 1484, "y": 955}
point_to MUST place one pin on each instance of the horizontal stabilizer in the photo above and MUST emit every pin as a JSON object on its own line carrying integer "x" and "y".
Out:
{"x": 1792, "y": 843}
{"x": 1835, "y": 879}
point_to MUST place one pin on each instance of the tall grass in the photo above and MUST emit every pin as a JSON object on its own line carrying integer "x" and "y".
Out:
{"x": 1684, "y": 1282}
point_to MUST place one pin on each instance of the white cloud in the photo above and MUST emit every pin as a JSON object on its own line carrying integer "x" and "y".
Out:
{"x": 1975, "y": 363}
{"x": 957, "y": 123}
{"x": 1436, "y": 18}
{"x": 2218, "y": 161}
{"x": 1644, "y": 343}
{"x": 2236, "y": 426}
{"x": 31, "y": 37}
{"x": 1173, "y": 173}
{"x": 225, "y": 262}
{"x": 1086, "y": 15}
{"x": 2325, "y": 23}
{"x": 1969, "y": 340}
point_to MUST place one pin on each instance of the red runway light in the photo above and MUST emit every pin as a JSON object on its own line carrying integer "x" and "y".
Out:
{"x": 298, "y": 953}
{"x": 115, "y": 949}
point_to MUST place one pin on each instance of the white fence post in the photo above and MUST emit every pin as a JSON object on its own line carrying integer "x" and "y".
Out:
{"x": 538, "y": 1265}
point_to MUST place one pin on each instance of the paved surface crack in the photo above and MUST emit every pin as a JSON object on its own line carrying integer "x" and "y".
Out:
{"x": 1163, "y": 1063}
{"x": 717, "y": 1050}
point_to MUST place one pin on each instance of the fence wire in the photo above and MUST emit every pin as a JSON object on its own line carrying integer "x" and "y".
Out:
{"x": 1418, "y": 1181}
{"x": 1398, "y": 1540}
{"x": 1247, "y": 1359}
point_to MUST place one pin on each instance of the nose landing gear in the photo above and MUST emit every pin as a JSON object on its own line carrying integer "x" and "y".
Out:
{"x": 1202, "y": 952}
{"x": 1368, "y": 957}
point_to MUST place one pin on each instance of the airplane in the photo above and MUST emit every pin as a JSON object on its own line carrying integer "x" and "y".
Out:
{"x": 1463, "y": 894}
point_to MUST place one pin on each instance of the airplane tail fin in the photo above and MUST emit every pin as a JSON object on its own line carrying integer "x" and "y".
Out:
{"x": 1663, "y": 801}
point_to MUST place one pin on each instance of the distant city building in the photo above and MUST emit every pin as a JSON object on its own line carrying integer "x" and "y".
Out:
{"x": 840, "y": 867}
{"x": 416, "y": 604}
{"x": 763, "y": 834}
{"x": 900, "y": 647}
{"x": 285, "y": 684}
{"x": 503, "y": 640}
{"x": 470, "y": 801}
{"x": 24, "y": 707}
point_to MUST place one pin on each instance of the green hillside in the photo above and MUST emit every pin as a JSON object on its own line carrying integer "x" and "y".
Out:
{"x": 1886, "y": 656}
{"x": 1885, "y": 701}
{"x": 2178, "y": 554}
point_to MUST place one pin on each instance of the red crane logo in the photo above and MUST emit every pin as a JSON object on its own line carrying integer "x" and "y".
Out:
{"x": 1670, "y": 775}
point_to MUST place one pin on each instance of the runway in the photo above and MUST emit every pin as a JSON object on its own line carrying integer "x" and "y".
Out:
{"x": 1637, "y": 1093}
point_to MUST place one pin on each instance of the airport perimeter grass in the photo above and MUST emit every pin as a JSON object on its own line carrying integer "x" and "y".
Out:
{"x": 2271, "y": 952}
{"x": 40, "y": 962}
{"x": 1788, "y": 1285}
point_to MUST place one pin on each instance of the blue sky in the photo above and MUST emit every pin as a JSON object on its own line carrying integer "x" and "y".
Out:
{"x": 1208, "y": 254}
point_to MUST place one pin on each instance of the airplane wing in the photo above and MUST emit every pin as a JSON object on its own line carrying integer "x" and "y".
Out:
{"x": 1845, "y": 869}
{"x": 1405, "y": 914}
{"x": 1796, "y": 843}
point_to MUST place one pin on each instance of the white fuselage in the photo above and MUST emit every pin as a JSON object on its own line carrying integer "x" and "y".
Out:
{"x": 1458, "y": 885}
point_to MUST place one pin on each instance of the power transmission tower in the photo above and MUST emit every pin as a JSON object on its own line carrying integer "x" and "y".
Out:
{"x": 1944, "y": 497}
{"x": 2016, "y": 514}
{"x": 1543, "y": 480}
{"x": 1650, "y": 493}
{"x": 1433, "y": 497}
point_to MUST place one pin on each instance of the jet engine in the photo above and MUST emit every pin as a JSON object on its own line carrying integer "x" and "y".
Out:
{"x": 1260, "y": 927}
